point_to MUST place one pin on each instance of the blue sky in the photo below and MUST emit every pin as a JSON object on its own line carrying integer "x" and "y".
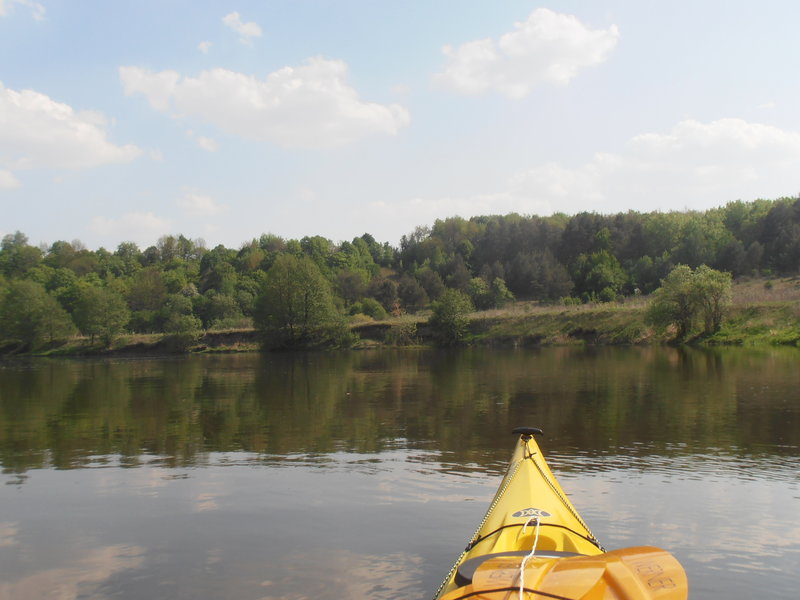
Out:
{"x": 126, "y": 121}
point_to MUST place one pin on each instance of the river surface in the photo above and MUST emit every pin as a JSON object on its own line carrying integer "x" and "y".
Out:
{"x": 361, "y": 475}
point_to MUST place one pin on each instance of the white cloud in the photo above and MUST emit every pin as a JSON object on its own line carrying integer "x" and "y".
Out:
{"x": 548, "y": 48}
{"x": 37, "y": 10}
{"x": 310, "y": 106}
{"x": 246, "y": 31}
{"x": 141, "y": 227}
{"x": 199, "y": 205}
{"x": 694, "y": 164}
{"x": 203, "y": 142}
{"x": 158, "y": 88}
{"x": 8, "y": 181}
{"x": 38, "y": 132}
{"x": 206, "y": 143}
{"x": 204, "y": 46}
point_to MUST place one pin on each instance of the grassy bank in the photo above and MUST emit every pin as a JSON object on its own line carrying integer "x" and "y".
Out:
{"x": 764, "y": 312}
{"x": 530, "y": 325}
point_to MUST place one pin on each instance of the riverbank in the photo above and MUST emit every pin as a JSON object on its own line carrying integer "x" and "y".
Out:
{"x": 151, "y": 344}
{"x": 764, "y": 312}
{"x": 528, "y": 325}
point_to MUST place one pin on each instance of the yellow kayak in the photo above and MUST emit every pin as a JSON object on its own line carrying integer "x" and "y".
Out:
{"x": 533, "y": 544}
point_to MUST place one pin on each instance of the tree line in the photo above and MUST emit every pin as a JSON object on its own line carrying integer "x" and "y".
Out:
{"x": 300, "y": 292}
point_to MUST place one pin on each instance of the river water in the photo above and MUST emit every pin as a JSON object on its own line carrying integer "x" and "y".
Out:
{"x": 361, "y": 475}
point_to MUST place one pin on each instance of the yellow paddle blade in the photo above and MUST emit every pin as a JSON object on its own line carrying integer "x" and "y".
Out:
{"x": 638, "y": 573}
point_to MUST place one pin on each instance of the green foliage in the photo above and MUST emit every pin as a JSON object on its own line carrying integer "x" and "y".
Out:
{"x": 501, "y": 295}
{"x": 295, "y": 308}
{"x": 181, "y": 332}
{"x": 674, "y": 302}
{"x": 351, "y": 285}
{"x": 101, "y": 312}
{"x": 714, "y": 295}
{"x": 60, "y": 280}
{"x": 72, "y": 256}
{"x": 402, "y": 334}
{"x": 480, "y": 294}
{"x": 457, "y": 275}
{"x": 16, "y": 256}
{"x": 385, "y": 291}
{"x": 431, "y": 282}
{"x": 370, "y": 307}
{"x": 214, "y": 308}
{"x": 491, "y": 258}
{"x": 598, "y": 276}
{"x": 412, "y": 295}
{"x": 31, "y": 317}
{"x": 147, "y": 290}
{"x": 686, "y": 296}
{"x": 485, "y": 296}
{"x": 217, "y": 271}
{"x": 538, "y": 275}
{"x": 449, "y": 320}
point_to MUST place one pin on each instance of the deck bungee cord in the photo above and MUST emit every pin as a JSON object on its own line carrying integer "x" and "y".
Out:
{"x": 528, "y": 557}
{"x": 506, "y": 482}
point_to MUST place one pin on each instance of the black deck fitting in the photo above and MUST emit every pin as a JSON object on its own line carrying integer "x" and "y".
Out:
{"x": 527, "y": 432}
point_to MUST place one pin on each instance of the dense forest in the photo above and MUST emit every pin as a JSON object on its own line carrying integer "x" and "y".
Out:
{"x": 179, "y": 285}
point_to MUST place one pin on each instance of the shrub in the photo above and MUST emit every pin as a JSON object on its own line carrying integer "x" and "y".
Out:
{"x": 372, "y": 308}
{"x": 402, "y": 334}
{"x": 449, "y": 319}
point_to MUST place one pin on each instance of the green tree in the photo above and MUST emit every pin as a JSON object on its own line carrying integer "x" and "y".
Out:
{"x": 16, "y": 256}
{"x": 218, "y": 311}
{"x": 686, "y": 295}
{"x": 350, "y": 285}
{"x": 431, "y": 281}
{"x": 674, "y": 303}
{"x": 412, "y": 295}
{"x": 73, "y": 256}
{"x": 501, "y": 295}
{"x": 181, "y": 331}
{"x": 101, "y": 312}
{"x": 598, "y": 276}
{"x": 538, "y": 275}
{"x": 128, "y": 254}
{"x": 251, "y": 257}
{"x": 295, "y": 308}
{"x": 31, "y": 317}
{"x": 147, "y": 290}
{"x": 714, "y": 295}
{"x": 384, "y": 291}
{"x": 480, "y": 294}
{"x": 449, "y": 320}
{"x": 217, "y": 271}
{"x": 370, "y": 307}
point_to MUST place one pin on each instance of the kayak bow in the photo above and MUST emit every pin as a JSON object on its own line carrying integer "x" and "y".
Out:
{"x": 532, "y": 543}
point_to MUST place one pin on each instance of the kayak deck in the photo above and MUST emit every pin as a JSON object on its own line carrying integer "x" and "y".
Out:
{"x": 530, "y": 511}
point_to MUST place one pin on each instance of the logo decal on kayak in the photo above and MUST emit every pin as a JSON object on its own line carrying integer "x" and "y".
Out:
{"x": 530, "y": 513}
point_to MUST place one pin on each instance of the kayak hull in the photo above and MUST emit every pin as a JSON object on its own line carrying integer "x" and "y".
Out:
{"x": 531, "y": 512}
